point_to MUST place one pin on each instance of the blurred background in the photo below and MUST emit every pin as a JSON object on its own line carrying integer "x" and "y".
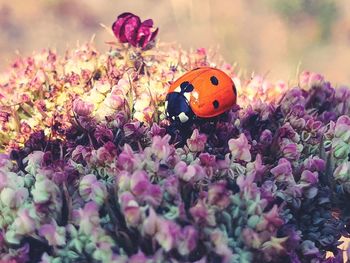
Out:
{"x": 268, "y": 37}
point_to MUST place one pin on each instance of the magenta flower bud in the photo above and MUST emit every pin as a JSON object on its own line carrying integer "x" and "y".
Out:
{"x": 129, "y": 29}
{"x": 92, "y": 189}
{"x": 197, "y": 141}
{"x": 315, "y": 164}
{"x": 82, "y": 108}
{"x": 146, "y": 33}
{"x": 156, "y": 130}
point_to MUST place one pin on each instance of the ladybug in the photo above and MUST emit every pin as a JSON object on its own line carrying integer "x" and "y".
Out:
{"x": 200, "y": 93}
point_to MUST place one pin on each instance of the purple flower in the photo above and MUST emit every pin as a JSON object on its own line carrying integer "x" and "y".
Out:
{"x": 283, "y": 171}
{"x": 291, "y": 151}
{"x": 129, "y": 29}
{"x": 308, "y": 248}
{"x": 157, "y": 130}
{"x": 103, "y": 134}
{"x": 309, "y": 178}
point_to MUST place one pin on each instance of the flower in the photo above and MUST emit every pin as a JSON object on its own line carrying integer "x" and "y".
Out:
{"x": 197, "y": 141}
{"x": 91, "y": 189}
{"x": 167, "y": 234}
{"x": 88, "y": 218}
{"x": 240, "y": 148}
{"x": 283, "y": 171}
{"x": 54, "y": 234}
{"x": 82, "y": 108}
{"x": 129, "y": 29}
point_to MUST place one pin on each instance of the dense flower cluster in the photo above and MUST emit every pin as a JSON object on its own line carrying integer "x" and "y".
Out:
{"x": 89, "y": 172}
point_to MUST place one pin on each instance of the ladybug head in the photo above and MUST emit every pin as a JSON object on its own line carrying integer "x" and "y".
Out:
{"x": 178, "y": 109}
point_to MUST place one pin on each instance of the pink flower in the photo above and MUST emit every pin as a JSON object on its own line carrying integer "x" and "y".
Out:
{"x": 82, "y": 108}
{"x": 187, "y": 240}
{"x": 24, "y": 223}
{"x": 197, "y": 141}
{"x": 291, "y": 151}
{"x": 126, "y": 159}
{"x": 167, "y": 234}
{"x": 149, "y": 226}
{"x": 160, "y": 147}
{"x": 271, "y": 220}
{"x": 130, "y": 208}
{"x": 207, "y": 159}
{"x": 218, "y": 195}
{"x": 89, "y": 218}
{"x": 154, "y": 195}
{"x": 240, "y": 148}
{"x": 139, "y": 183}
{"x": 184, "y": 171}
{"x": 92, "y": 189}
{"x": 202, "y": 214}
{"x": 129, "y": 29}
{"x": 55, "y": 235}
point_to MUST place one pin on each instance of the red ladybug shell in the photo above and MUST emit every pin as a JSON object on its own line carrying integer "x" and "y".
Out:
{"x": 212, "y": 94}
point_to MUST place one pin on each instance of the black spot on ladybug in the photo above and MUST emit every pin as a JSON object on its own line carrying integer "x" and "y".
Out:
{"x": 234, "y": 90}
{"x": 186, "y": 87}
{"x": 216, "y": 104}
{"x": 214, "y": 80}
